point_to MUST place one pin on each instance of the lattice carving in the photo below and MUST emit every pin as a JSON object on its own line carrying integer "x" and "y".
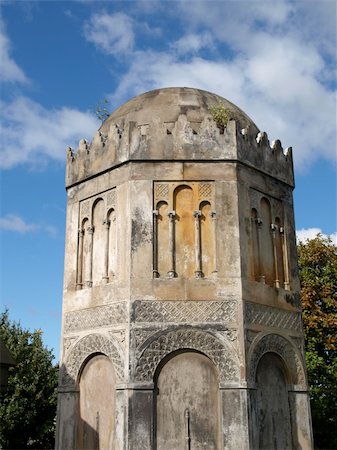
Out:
{"x": 85, "y": 209}
{"x": 89, "y": 345}
{"x": 275, "y": 343}
{"x": 272, "y": 317}
{"x": 101, "y": 316}
{"x": 223, "y": 356}
{"x": 205, "y": 190}
{"x": 161, "y": 191}
{"x": 111, "y": 198}
{"x": 185, "y": 311}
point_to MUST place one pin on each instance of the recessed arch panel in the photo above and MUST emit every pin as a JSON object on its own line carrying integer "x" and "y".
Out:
{"x": 187, "y": 413}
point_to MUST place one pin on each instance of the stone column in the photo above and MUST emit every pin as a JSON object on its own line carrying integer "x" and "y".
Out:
{"x": 285, "y": 259}
{"x": 79, "y": 281}
{"x": 235, "y": 433}
{"x": 106, "y": 224}
{"x": 155, "y": 244}
{"x": 141, "y": 418}
{"x": 67, "y": 418}
{"x": 215, "y": 259}
{"x": 301, "y": 420}
{"x": 171, "y": 273}
{"x": 90, "y": 248}
{"x": 273, "y": 228}
{"x": 197, "y": 248}
{"x": 260, "y": 259}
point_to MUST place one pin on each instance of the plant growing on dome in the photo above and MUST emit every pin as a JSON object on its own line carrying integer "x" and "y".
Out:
{"x": 220, "y": 115}
{"x": 101, "y": 111}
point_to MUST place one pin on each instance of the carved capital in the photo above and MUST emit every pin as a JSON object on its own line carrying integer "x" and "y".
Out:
{"x": 196, "y": 214}
{"x": 90, "y": 230}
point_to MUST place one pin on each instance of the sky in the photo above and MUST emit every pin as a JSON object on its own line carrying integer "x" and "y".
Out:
{"x": 276, "y": 60}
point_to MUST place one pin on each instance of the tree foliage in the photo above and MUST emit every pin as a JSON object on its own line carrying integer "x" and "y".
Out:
{"x": 318, "y": 275}
{"x": 28, "y": 407}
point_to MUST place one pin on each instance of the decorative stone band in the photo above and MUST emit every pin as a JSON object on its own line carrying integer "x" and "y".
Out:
{"x": 90, "y": 345}
{"x": 275, "y": 343}
{"x": 157, "y": 347}
{"x": 185, "y": 311}
{"x": 267, "y": 316}
{"x": 91, "y": 318}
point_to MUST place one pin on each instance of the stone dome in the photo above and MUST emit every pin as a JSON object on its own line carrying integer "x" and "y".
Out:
{"x": 167, "y": 104}
{"x": 176, "y": 124}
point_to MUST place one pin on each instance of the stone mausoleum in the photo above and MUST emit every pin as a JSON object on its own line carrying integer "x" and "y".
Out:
{"x": 181, "y": 310}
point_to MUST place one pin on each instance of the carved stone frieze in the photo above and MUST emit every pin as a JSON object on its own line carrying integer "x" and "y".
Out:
{"x": 139, "y": 336}
{"x": 118, "y": 335}
{"x": 68, "y": 342}
{"x": 271, "y": 317}
{"x": 100, "y": 316}
{"x": 275, "y": 343}
{"x": 222, "y": 355}
{"x": 185, "y": 311}
{"x": 89, "y": 345}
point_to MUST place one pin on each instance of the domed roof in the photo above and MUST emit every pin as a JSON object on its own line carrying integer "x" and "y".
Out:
{"x": 166, "y": 105}
{"x": 176, "y": 125}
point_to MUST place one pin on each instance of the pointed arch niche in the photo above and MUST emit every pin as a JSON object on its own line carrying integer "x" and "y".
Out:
{"x": 268, "y": 241}
{"x": 97, "y": 240}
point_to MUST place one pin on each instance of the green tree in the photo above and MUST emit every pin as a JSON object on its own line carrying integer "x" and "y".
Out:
{"x": 28, "y": 407}
{"x": 318, "y": 275}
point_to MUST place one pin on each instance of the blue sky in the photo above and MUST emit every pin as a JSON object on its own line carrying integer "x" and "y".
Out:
{"x": 275, "y": 59}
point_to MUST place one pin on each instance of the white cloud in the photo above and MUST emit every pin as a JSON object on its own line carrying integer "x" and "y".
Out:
{"x": 17, "y": 224}
{"x": 112, "y": 33}
{"x": 275, "y": 72}
{"x": 192, "y": 43}
{"x": 310, "y": 233}
{"x": 9, "y": 70}
{"x": 33, "y": 134}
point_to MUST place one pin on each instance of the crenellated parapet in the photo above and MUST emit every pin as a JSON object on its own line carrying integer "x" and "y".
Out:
{"x": 182, "y": 140}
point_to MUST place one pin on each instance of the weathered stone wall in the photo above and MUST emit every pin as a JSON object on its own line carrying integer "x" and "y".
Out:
{"x": 180, "y": 286}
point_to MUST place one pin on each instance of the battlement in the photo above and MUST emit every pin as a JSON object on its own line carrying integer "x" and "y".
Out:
{"x": 120, "y": 141}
